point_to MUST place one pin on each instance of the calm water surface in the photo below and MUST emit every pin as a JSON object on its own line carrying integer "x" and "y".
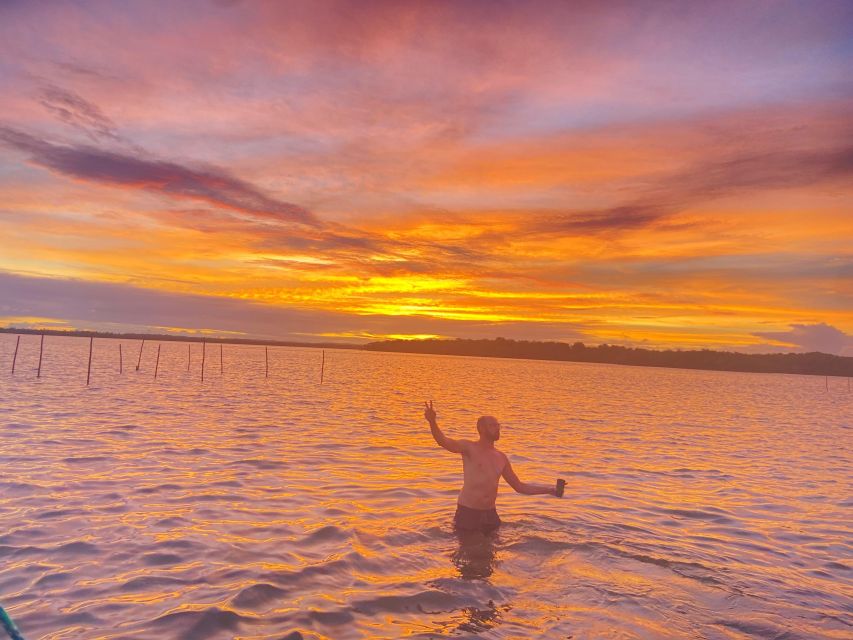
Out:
{"x": 698, "y": 504}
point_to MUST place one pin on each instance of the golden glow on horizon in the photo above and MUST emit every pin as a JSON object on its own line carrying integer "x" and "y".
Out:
{"x": 31, "y": 322}
{"x": 204, "y": 332}
{"x": 298, "y": 259}
{"x": 360, "y": 335}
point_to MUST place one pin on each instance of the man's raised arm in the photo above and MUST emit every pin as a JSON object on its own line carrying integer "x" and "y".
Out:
{"x": 454, "y": 446}
{"x": 524, "y": 487}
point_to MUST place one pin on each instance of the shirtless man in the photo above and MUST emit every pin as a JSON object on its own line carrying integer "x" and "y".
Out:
{"x": 483, "y": 466}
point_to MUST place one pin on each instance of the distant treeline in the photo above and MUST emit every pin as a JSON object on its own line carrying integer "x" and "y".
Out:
{"x": 800, "y": 363}
{"x": 178, "y": 338}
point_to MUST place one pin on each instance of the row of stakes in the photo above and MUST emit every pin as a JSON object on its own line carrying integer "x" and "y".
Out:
{"x": 203, "y": 353}
{"x": 157, "y": 362}
{"x": 5, "y": 621}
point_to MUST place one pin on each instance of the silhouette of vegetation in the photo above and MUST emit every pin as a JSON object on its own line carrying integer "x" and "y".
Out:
{"x": 800, "y": 363}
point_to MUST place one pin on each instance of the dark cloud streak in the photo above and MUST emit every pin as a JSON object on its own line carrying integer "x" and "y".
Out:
{"x": 779, "y": 169}
{"x": 717, "y": 178}
{"x": 74, "y": 110}
{"x": 168, "y": 178}
{"x": 618, "y": 218}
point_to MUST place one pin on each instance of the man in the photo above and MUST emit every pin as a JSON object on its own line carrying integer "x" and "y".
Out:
{"x": 483, "y": 466}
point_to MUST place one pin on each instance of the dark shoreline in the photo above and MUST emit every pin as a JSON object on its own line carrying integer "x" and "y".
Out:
{"x": 814, "y": 363}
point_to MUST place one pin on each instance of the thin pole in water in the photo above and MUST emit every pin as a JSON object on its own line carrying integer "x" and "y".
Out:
{"x": 15, "y": 357}
{"x": 157, "y": 364}
{"x": 267, "y": 362}
{"x": 220, "y": 358}
{"x": 9, "y": 626}
{"x": 203, "y": 345}
{"x": 89, "y": 368}
{"x": 140, "y": 354}
{"x": 41, "y": 350}
{"x": 120, "y": 362}
{"x": 322, "y": 366}
{"x": 827, "y": 383}
{"x": 189, "y": 354}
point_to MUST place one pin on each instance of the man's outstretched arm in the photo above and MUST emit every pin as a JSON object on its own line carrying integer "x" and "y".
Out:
{"x": 454, "y": 446}
{"x": 524, "y": 487}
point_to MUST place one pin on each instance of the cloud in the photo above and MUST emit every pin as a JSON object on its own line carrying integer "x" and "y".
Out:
{"x": 585, "y": 222}
{"x": 72, "y": 109}
{"x": 703, "y": 182}
{"x": 354, "y": 251}
{"x": 775, "y": 169}
{"x": 813, "y": 337}
{"x": 67, "y": 67}
{"x": 697, "y": 185}
{"x": 167, "y": 178}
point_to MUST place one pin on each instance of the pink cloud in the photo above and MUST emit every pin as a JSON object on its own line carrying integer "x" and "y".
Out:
{"x": 814, "y": 337}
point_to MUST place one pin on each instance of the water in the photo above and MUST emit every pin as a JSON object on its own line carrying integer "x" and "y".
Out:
{"x": 698, "y": 504}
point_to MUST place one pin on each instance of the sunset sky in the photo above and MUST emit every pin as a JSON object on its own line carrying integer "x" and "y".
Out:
{"x": 661, "y": 174}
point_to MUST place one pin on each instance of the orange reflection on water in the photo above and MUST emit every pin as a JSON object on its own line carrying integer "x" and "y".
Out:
{"x": 247, "y": 504}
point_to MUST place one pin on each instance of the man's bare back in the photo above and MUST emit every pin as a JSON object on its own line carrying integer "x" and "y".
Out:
{"x": 483, "y": 466}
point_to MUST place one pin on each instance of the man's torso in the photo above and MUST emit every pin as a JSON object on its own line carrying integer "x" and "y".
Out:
{"x": 482, "y": 469}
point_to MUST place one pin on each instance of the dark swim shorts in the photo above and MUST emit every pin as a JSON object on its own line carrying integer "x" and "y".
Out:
{"x": 468, "y": 519}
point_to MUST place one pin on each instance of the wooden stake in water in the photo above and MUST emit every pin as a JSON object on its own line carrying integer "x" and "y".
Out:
{"x": 9, "y": 626}
{"x": 157, "y": 364}
{"x": 41, "y": 350}
{"x": 140, "y": 354}
{"x": 827, "y": 383}
{"x": 322, "y": 366}
{"x": 220, "y": 358}
{"x": 120, "y": 362}
{"x": 267, "y": 362}
{"x": 189, "y": 355}
{"x": 203, "y": 344}
{"x": 89, "y": 368}
{"x": 15, "y": 357}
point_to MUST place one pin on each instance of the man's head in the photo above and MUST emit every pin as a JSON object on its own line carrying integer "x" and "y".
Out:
{"x": 489, "y": 428}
